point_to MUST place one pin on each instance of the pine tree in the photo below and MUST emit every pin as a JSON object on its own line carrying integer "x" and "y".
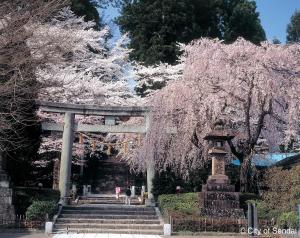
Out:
{"x": 293, "y": 28}
{"x": 155, "y": 26}
{"x": 242, "y": 20}
{"x": 86, "y": 9}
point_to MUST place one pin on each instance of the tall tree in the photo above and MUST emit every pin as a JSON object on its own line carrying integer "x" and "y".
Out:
{"x": 89, "y": 72}
{"x": 87, "y": 9}
{"x": 293, "y": 28}
{"x": 18, "y": 85}
{"x": 155, "y": 26}
{"x": 19, "y": 127}
{"x": 229, "y": 81}
{"x": 242, "y": 20}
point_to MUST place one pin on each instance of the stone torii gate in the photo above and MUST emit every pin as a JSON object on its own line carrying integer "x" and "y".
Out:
{"x": 69, "y": 127}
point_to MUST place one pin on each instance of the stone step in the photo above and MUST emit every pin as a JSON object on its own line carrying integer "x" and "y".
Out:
{"x": 109, "y": 208}
{"x": 112, "y": 231}
{"x": 108, "y": 226}
{"x": 105, "y": 197}
{"x": 108, "y": 216}
{"x": 121, "y": 197}
{"x": 108, "y": 221}
{"x": 95, "y": 202}
{"x": 112, "y": 212}
{"x": 107, "y": 200}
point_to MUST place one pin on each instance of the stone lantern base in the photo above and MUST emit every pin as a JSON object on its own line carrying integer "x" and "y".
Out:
{"x": 219, "y": 199}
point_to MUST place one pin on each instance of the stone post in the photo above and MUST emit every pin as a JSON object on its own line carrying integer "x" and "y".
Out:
{"x": 255, "y": 217}
{"x": 252, "y": 220}
{"x": 132, "y": 191}
{"x": 150, "y": 177}
{"x": 299, "y": 213}
{"x": 66, "y": 157}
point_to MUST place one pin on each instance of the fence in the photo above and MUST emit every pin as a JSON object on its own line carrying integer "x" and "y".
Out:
{"x": 21, "y": 223}
{"x": 213, "y": 224}
{"x": 207, "y": 224}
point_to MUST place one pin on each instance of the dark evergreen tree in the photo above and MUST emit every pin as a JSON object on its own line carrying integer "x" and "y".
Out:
{"x": 293, "y": 28}
{"x": 276, "y": 41}
{"x": 240, "y": 19}
{"x": 87, "y": 9}
{"x": 155, "y": 26}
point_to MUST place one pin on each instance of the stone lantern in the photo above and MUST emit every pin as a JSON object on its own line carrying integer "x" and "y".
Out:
{"x": 217, "y": 139}
{"x": 218, "y": 197}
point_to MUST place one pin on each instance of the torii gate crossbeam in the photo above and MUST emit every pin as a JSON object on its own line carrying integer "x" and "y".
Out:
{"x": 69, "y": 127}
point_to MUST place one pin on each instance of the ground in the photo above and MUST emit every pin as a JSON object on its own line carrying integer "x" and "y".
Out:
{"x": 41, "y": 235}
{"x": 23, "y": 235}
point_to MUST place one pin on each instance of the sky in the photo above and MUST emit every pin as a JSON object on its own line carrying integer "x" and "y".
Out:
{"x": 274, "y": 14}
{"x": 108, "y": 15}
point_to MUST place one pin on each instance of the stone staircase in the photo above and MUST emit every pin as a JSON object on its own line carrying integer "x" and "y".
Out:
{"x": 107, "y": 215}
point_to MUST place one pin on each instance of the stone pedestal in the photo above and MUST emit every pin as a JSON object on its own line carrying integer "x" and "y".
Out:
{"x": 7, "y": 211}
{"x": 219, "y": 199}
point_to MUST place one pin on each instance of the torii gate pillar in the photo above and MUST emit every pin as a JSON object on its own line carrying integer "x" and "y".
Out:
{"x": 150, "y": 171}
{"x": 66, "y": 157}
{"x": 150, "y": 176}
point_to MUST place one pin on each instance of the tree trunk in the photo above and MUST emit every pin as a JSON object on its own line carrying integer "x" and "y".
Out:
{"x": 246, "y": 174}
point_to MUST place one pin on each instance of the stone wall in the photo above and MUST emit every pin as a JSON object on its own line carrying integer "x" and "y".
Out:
{"x": 7, "y": 211}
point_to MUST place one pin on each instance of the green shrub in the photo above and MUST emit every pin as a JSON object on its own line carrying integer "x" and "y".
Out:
{"x": 288, "y": 220}
{"x": 24, "y": 197}
{"x": 39, "y": 210}
{"x": 185, "y": 203}
{"x": 282, "y": 188}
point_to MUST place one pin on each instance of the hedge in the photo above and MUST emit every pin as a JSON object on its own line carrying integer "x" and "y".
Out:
{"x": 41, "y": 210}
{"x": 185, "y": 203}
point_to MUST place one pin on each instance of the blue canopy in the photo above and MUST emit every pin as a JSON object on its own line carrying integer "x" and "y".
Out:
{"x": 266, "y": 160}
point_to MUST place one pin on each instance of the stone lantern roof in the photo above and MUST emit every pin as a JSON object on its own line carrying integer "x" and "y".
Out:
{"x": 217, "y": 151}
{"x": 219, "y": 133}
